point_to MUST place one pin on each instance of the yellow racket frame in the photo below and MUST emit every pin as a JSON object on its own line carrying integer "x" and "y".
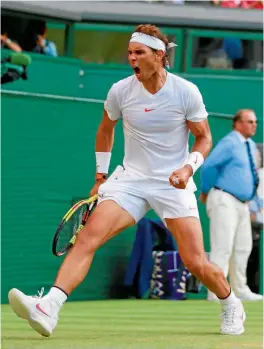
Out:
{"x": 65, "y": 219}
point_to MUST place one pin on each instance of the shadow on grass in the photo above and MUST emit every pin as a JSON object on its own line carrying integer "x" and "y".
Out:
{"x": 59, "y": 337}
{"x": 53, "y": 338}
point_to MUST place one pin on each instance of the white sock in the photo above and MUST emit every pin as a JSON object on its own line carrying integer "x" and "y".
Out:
{"x": 231, "y": 299}
{"x": 56, "y": 295}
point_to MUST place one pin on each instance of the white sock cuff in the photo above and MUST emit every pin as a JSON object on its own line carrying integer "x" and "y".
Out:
{"x": 231, "y": 299}
{"x": 58, "y": 295}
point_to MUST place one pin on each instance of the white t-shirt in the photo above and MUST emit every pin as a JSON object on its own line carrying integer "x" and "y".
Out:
{"x": 155, "y": 130}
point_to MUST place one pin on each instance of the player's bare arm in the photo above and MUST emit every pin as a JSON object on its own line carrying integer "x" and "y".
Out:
{"x": 200, "y": 150}
{"x": 203, "y": 141}
{"x": 103, "y": 146}
{"x": 105, "y": 134}
{"x": 203, "y": 138}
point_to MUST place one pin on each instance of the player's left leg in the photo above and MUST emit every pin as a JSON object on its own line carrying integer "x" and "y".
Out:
{"x": 178, "y": 208}
{"x": 188, "y": 234}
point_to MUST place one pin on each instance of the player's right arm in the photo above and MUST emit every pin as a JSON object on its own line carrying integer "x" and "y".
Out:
{"x": 103, "y": 147}
{"x": 105, "y": 137}
{"x": 105, "y": 134}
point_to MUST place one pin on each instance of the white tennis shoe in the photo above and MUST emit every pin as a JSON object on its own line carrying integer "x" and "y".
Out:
{"x": 233, "y": 317}
{"x": 41, "y": 313}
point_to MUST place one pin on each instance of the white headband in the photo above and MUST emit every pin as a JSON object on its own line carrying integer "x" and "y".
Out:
{"x": 150, "y": 41}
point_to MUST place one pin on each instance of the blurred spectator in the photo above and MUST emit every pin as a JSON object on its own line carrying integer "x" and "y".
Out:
{"x": 227, "y": 3}
{"x": 42, "y": 44}
{"x": 246, "y": 4}
{"x": 233, "y": 48}
{"x": 229, "y": 178}
{"x": 211, "y": 54}
{"x": 34, "y": 39}
{"x": 228, "y": 53}
{"x": 6, "y": 42}
{"x": 218, "y": 59}
{"x": 177, "y": 2}
{"x": 251, "y": 4}
{"x": 259, "y": 5}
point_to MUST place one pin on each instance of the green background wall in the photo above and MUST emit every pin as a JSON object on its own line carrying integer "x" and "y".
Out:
{"x": 72, "y": 77}
{"x": 48, "y": 161}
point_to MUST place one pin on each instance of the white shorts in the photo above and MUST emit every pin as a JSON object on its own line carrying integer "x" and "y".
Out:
{"x": 137, "y": 195}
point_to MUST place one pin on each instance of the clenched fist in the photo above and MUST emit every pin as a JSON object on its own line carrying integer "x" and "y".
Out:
{"x": 179, "y": 178}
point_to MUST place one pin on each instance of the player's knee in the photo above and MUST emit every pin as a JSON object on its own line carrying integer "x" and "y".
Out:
{"x": 88, "y": 240}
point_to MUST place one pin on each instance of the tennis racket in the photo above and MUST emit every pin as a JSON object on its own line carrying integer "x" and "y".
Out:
{"x": 72, "y": 222}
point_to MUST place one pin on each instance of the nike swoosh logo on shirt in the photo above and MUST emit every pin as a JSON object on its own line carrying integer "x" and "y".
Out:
{"x": 42, "y": 311}
{"x": 147, "y": 110}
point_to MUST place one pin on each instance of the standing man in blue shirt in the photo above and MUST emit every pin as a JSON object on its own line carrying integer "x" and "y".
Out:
{"x": 229, "y": 181}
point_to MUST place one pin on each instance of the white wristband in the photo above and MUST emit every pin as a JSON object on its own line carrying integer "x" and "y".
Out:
{"x": 102, "y": 161}
{"x": 195, "y": 160}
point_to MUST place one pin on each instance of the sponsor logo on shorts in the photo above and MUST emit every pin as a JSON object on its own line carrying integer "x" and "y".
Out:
{"x": 147, "y": 110}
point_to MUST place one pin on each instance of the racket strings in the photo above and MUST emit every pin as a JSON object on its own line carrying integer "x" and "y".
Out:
{"x": 73, "y": 221}
{"x": 70, "y": 228}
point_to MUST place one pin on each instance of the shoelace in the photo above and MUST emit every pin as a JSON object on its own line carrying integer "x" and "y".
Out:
{"x": 40, "y": 293}
{"x": 229, "y": 316}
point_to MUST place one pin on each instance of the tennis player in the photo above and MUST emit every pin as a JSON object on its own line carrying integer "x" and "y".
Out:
{"x": 158, "y": 110}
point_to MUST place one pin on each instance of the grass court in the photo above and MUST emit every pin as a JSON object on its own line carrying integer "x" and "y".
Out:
{"x": 136, "y": 324}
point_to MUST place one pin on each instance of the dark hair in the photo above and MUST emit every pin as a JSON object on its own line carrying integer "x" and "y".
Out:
{"x": 38, "y": 27}
{"x": 4, "y": 26}
{"x": 152, "y": 30}
{"x": 34, "y": 28}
